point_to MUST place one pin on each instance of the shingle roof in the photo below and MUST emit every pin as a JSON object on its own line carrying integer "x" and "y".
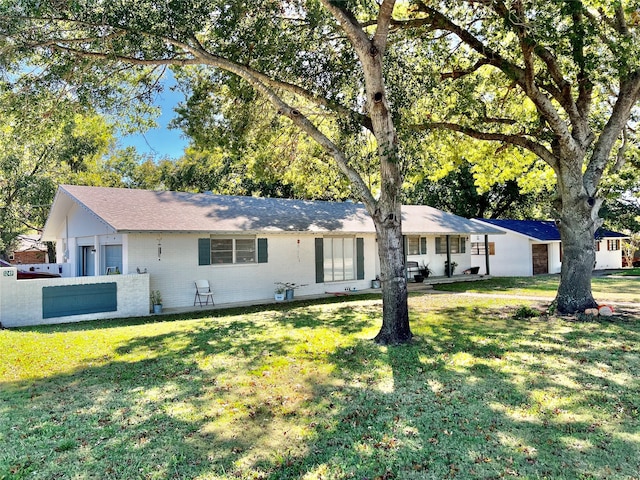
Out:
{"x": 542, "y": 230}
{"x": 130, "y": 210}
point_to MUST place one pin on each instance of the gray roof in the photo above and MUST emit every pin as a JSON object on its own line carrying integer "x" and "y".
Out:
{"x": 125, "y": 210}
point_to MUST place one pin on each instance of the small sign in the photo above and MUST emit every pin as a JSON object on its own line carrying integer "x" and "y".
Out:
{"x": 8, "y": 273}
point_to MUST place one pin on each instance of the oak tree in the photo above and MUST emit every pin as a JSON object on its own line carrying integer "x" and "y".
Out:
{"x": 307, "y": 58}
{"x": 559, "y": 79}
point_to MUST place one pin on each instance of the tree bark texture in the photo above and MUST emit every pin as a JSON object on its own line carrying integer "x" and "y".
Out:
{"x": 578, "y": 213}
{"x": 386, "y": 211}
{"x": 395, "y": 327}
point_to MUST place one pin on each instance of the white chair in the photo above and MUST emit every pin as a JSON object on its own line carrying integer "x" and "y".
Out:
{"x": 203, "y": 290}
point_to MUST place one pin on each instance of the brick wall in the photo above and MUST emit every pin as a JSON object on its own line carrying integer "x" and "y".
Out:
{"x": 21, "y": 300}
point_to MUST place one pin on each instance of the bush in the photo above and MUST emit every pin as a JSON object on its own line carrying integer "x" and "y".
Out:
{"x": 525, "y": 311}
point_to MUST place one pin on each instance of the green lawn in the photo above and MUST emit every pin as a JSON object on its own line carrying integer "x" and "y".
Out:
{"x": 629, "y": 272}
{"x": 608, "y": 288}
{"x": 299, "y": 391}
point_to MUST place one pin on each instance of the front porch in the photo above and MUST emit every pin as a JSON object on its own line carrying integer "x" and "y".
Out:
{"x": 430, "y": 281}
{"x": 412, "y": 287}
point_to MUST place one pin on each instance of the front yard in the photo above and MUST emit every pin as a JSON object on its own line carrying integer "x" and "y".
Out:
{"x": 622, "y": 286}
{"x": 299, "y": 391}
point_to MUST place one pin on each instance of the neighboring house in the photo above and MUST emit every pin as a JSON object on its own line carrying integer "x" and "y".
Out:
{"x": 533, "y": 247}
{"x": 29, "y": 250}
{"x": 242, "y": 245}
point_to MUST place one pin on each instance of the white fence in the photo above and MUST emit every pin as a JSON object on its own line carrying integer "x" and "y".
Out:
{"x": 21, "y": 301}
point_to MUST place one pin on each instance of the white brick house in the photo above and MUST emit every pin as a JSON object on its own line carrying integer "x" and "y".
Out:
{"x": 532, "y": 247}
{"x": 242, "y": 245}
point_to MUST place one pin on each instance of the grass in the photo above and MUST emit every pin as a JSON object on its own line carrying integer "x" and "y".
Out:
{"x": 299, "y": 391}
{"x": 607, "y": 288}
{"x": 629, "y": 272}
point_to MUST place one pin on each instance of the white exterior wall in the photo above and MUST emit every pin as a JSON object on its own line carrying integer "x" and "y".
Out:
{"x": 606, "y": 259}
{"x": 555, "y": 265}
{"x": 21, "y": 300}
{"x": 291, "y": 258}
{"x": 512, "y": 256}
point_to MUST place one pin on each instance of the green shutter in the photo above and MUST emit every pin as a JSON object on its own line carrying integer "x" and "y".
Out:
{"x": 204, "y": 251}
{"x": 319, "y": 260}
{"x": 360, "y": 258}
{"x": 423, "y": 245}
{"x": 263, "y": 253}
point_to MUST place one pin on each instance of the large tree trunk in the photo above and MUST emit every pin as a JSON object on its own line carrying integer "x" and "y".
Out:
{"x": 578, "y": 224}
{"x": 395, "y": 318}
{"x": 574, "y": 292}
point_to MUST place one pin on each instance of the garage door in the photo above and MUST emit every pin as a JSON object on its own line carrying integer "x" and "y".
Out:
{"x": 540, "y": 254}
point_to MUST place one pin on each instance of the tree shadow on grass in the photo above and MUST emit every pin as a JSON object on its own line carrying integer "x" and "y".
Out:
{"x": 474, "y": 396}
{"x": 483, "y": 417}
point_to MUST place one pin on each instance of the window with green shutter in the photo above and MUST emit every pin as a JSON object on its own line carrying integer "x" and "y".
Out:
{"x": 339, "y": 259}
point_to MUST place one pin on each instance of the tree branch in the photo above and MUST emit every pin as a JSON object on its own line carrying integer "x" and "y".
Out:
{"x": 351, "y": 27}
{"x": 455, "y": 74}
{"x": 523, "y": 77}
{"x": 385, "y": 16}
{"x": 517, "y": 140}
{"x": 439, "y": 21}
{"x": 196, "y": 52}
{"x": 620, "y": 155}
{"x": 627, "y": 98}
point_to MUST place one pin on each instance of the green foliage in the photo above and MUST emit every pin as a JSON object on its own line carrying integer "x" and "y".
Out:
{"x": 621, "y": 190}
{"x": 631, "y": 249}
{"x": 155, "y": 297}
{"x": 457, "y": 192}
{"x": 53, "y": 143}
{"x": 525, "y": 311}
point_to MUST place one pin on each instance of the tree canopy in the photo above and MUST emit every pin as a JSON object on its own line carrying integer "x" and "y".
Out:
{"x": 370, "y": 82}
{"x": 45, "y": 141}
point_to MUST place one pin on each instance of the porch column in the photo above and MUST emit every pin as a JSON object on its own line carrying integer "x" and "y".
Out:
{"x": 448, "y": 272}
{"x": 96, "y": 256}
{"x": 404, "y": 254}
{"x": 486, "y": 253}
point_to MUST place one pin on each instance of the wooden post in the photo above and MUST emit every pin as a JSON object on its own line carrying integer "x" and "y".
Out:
{"x": 486, "y": 253}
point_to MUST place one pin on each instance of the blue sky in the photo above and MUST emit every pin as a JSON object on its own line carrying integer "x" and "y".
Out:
{"x": 161, "y": 141}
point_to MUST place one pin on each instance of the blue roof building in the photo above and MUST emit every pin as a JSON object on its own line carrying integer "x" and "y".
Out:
{"x": 532, "y": 247}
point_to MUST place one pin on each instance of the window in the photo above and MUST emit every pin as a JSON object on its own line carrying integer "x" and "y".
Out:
{"x": 416, "y": 245}
{"x": 231, "y": 250}
{"x": 222, "y": 250}
{"x": 478, "y": 248}
{"x": 613, "y": 245}
{"x": 597, "y": 246}
{"x": 457, "y": 243}
{"x": 339, "y": 259}
{"x": 112, "y": 258}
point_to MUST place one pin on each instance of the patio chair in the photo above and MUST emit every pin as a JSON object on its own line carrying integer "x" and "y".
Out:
{"x": 203, "y": 290}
